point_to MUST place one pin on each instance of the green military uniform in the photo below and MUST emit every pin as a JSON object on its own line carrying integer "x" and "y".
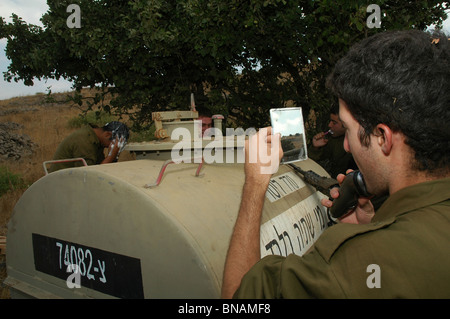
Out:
{"x": 408, "y": 240}
{"x": 333, "y": 157}
{"x": 82, "y": 143}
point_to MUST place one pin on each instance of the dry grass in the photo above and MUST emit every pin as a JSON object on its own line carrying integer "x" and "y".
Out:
{"x": 47, "y": 125}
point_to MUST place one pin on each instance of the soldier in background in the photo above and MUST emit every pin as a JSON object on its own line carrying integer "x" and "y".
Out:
{"x": 328, "y": 147}
{"x": 89, "y": 143}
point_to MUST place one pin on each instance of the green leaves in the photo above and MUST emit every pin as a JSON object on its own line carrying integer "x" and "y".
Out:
{"x": 239, "y": 58}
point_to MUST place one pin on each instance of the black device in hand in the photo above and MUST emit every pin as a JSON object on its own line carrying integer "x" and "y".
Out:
{"x": 351, "y": 189}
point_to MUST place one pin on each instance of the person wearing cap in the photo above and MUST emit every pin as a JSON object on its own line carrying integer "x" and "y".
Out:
{"x": 89, "y": 143}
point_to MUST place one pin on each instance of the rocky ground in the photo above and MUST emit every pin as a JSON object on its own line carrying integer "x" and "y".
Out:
{"x": 14, "y": 146}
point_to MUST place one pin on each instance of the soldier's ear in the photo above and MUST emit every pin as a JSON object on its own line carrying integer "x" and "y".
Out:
{"x": 384, "y": 138}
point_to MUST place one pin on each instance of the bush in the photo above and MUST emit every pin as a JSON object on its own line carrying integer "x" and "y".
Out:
{"x": 9, "y": 181}
{"x": 98, "y": 118}
{"x": 145, "y": 134}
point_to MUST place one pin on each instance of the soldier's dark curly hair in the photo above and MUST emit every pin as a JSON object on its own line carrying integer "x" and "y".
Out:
{"x": 401, "y": 79}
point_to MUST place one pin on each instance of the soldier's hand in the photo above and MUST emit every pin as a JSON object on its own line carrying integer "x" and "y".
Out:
{"x": 263, "y": 153}
{"x": 319, "y": 140}
{"x": 362, "y": 213}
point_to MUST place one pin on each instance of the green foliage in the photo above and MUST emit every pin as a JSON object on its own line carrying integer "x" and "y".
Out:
{"x": 239, "y": 58}
{"x": 9, "y": 181}
{"x": 98, "y": 118}
{"x": 145, "y": 134}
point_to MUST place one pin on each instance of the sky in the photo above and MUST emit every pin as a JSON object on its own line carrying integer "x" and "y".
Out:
{"x": 287, "y": 121}
{"x": 31, "y": 11}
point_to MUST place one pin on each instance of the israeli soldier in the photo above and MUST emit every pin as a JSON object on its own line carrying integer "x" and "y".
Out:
{"x": 394, "y": 102}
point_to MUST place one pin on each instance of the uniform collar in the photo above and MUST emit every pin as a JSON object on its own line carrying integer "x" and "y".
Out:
{"x": 414, "y": 197}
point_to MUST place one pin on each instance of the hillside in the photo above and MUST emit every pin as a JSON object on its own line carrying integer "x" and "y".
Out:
{"x": 31, "y": 128}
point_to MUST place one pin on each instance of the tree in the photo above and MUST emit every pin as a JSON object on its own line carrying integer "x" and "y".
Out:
{"x": 239, "y": 58}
